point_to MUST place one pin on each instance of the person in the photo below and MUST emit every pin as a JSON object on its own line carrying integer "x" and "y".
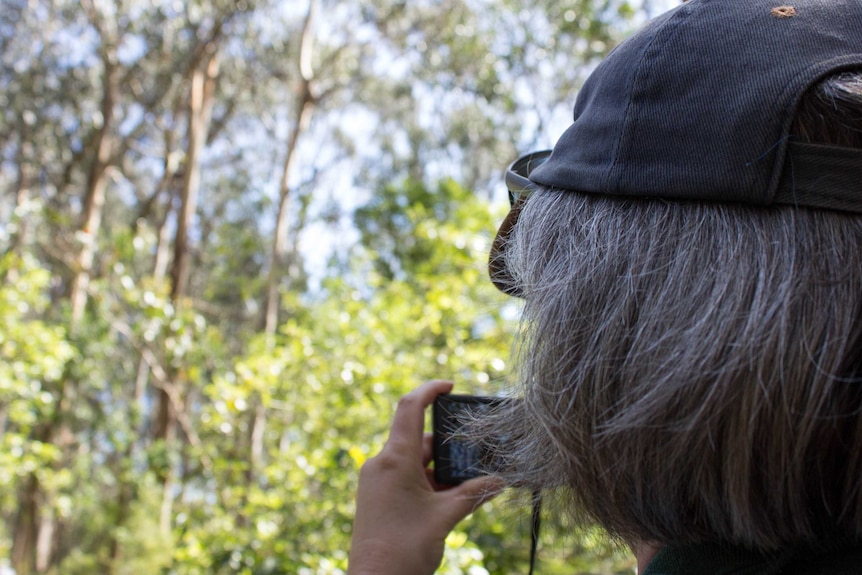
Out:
{"x": 690, "y": 260}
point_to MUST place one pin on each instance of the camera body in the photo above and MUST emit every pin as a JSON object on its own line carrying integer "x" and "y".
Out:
{"x": 456, "y": 458}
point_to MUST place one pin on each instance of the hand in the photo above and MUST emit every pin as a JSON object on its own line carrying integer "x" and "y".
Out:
{"x": 402, "y": 515}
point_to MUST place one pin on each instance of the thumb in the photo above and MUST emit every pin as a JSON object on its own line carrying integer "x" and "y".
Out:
{"x": 469, "y": 496}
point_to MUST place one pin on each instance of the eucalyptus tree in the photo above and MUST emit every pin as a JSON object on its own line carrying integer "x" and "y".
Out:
{"x": 166, "y": 168}
{"x": 81, "y": 97}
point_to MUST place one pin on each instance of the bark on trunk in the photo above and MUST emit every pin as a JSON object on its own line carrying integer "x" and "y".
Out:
{"x": 203, "y": 78}
{"x": 33, "y": 543}
{"x": 304, "y": 107}
{"x": 26, "y": 527}
{"x": 105, "y": 144}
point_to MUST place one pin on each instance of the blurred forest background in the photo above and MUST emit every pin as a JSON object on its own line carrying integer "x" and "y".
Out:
{"x": 232, "y": 234}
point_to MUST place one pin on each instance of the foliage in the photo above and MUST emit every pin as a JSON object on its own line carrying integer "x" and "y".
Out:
{"x": 32, "y": 358}
{"x": 330, "y": 379}
{"x": 169, "y": 171}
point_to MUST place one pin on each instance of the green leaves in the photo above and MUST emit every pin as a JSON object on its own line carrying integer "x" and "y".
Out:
{"x": 328, "y": 382}
{"x": 174, "y": 413}
{"x": 33, "y": 352}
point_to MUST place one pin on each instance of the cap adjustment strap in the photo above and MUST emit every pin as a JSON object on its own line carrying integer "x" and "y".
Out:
{"x": 820, "y": 176}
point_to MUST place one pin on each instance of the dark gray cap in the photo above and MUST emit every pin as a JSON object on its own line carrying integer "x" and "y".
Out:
{"x": 698, "y": 105}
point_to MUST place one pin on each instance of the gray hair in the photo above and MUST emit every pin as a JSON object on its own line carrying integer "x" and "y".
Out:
{"x": 691, "y": 371}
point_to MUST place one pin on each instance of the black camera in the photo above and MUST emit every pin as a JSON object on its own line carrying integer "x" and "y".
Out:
{"x": 456, "y": 458}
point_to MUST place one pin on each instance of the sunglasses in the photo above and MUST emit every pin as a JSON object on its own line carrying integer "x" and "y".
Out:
{"x": 518, "y": 175}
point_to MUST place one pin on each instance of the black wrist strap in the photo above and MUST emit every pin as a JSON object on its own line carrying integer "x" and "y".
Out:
{"x": 535, "y": 523}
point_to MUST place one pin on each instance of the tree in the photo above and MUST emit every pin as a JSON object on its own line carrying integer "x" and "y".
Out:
{"x": 171, "y": 348}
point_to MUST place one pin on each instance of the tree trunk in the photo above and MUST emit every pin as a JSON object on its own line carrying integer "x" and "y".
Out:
{"x": 203, "y": 78}
{"x": 22, "y": 191}
{"x": 304, "y": 107}
{"x": 201, "y": 100}
{"x": 45, "y": 539}
{"x": 26, "y": 527}
{"x": 94, "y": 198}
{"x": 35, "y": 525}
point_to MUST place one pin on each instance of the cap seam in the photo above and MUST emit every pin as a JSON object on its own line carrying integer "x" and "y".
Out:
{"x": 683, "y": 12}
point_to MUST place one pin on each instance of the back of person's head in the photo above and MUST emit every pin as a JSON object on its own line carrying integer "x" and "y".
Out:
{"x": 692, "y": 367}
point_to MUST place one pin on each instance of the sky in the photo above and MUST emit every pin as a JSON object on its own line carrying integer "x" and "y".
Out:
{"x": 320, "y": 240}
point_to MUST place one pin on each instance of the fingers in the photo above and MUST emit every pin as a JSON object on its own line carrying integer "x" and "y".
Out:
{"x": 480, "y": 489}
{"x": 427, "y": 449}
{"x": 409, "y": 420}
{"x": 462, "y": 500}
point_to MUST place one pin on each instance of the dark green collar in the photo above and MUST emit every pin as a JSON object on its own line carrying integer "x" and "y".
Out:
{"x": 839, "y": 558}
